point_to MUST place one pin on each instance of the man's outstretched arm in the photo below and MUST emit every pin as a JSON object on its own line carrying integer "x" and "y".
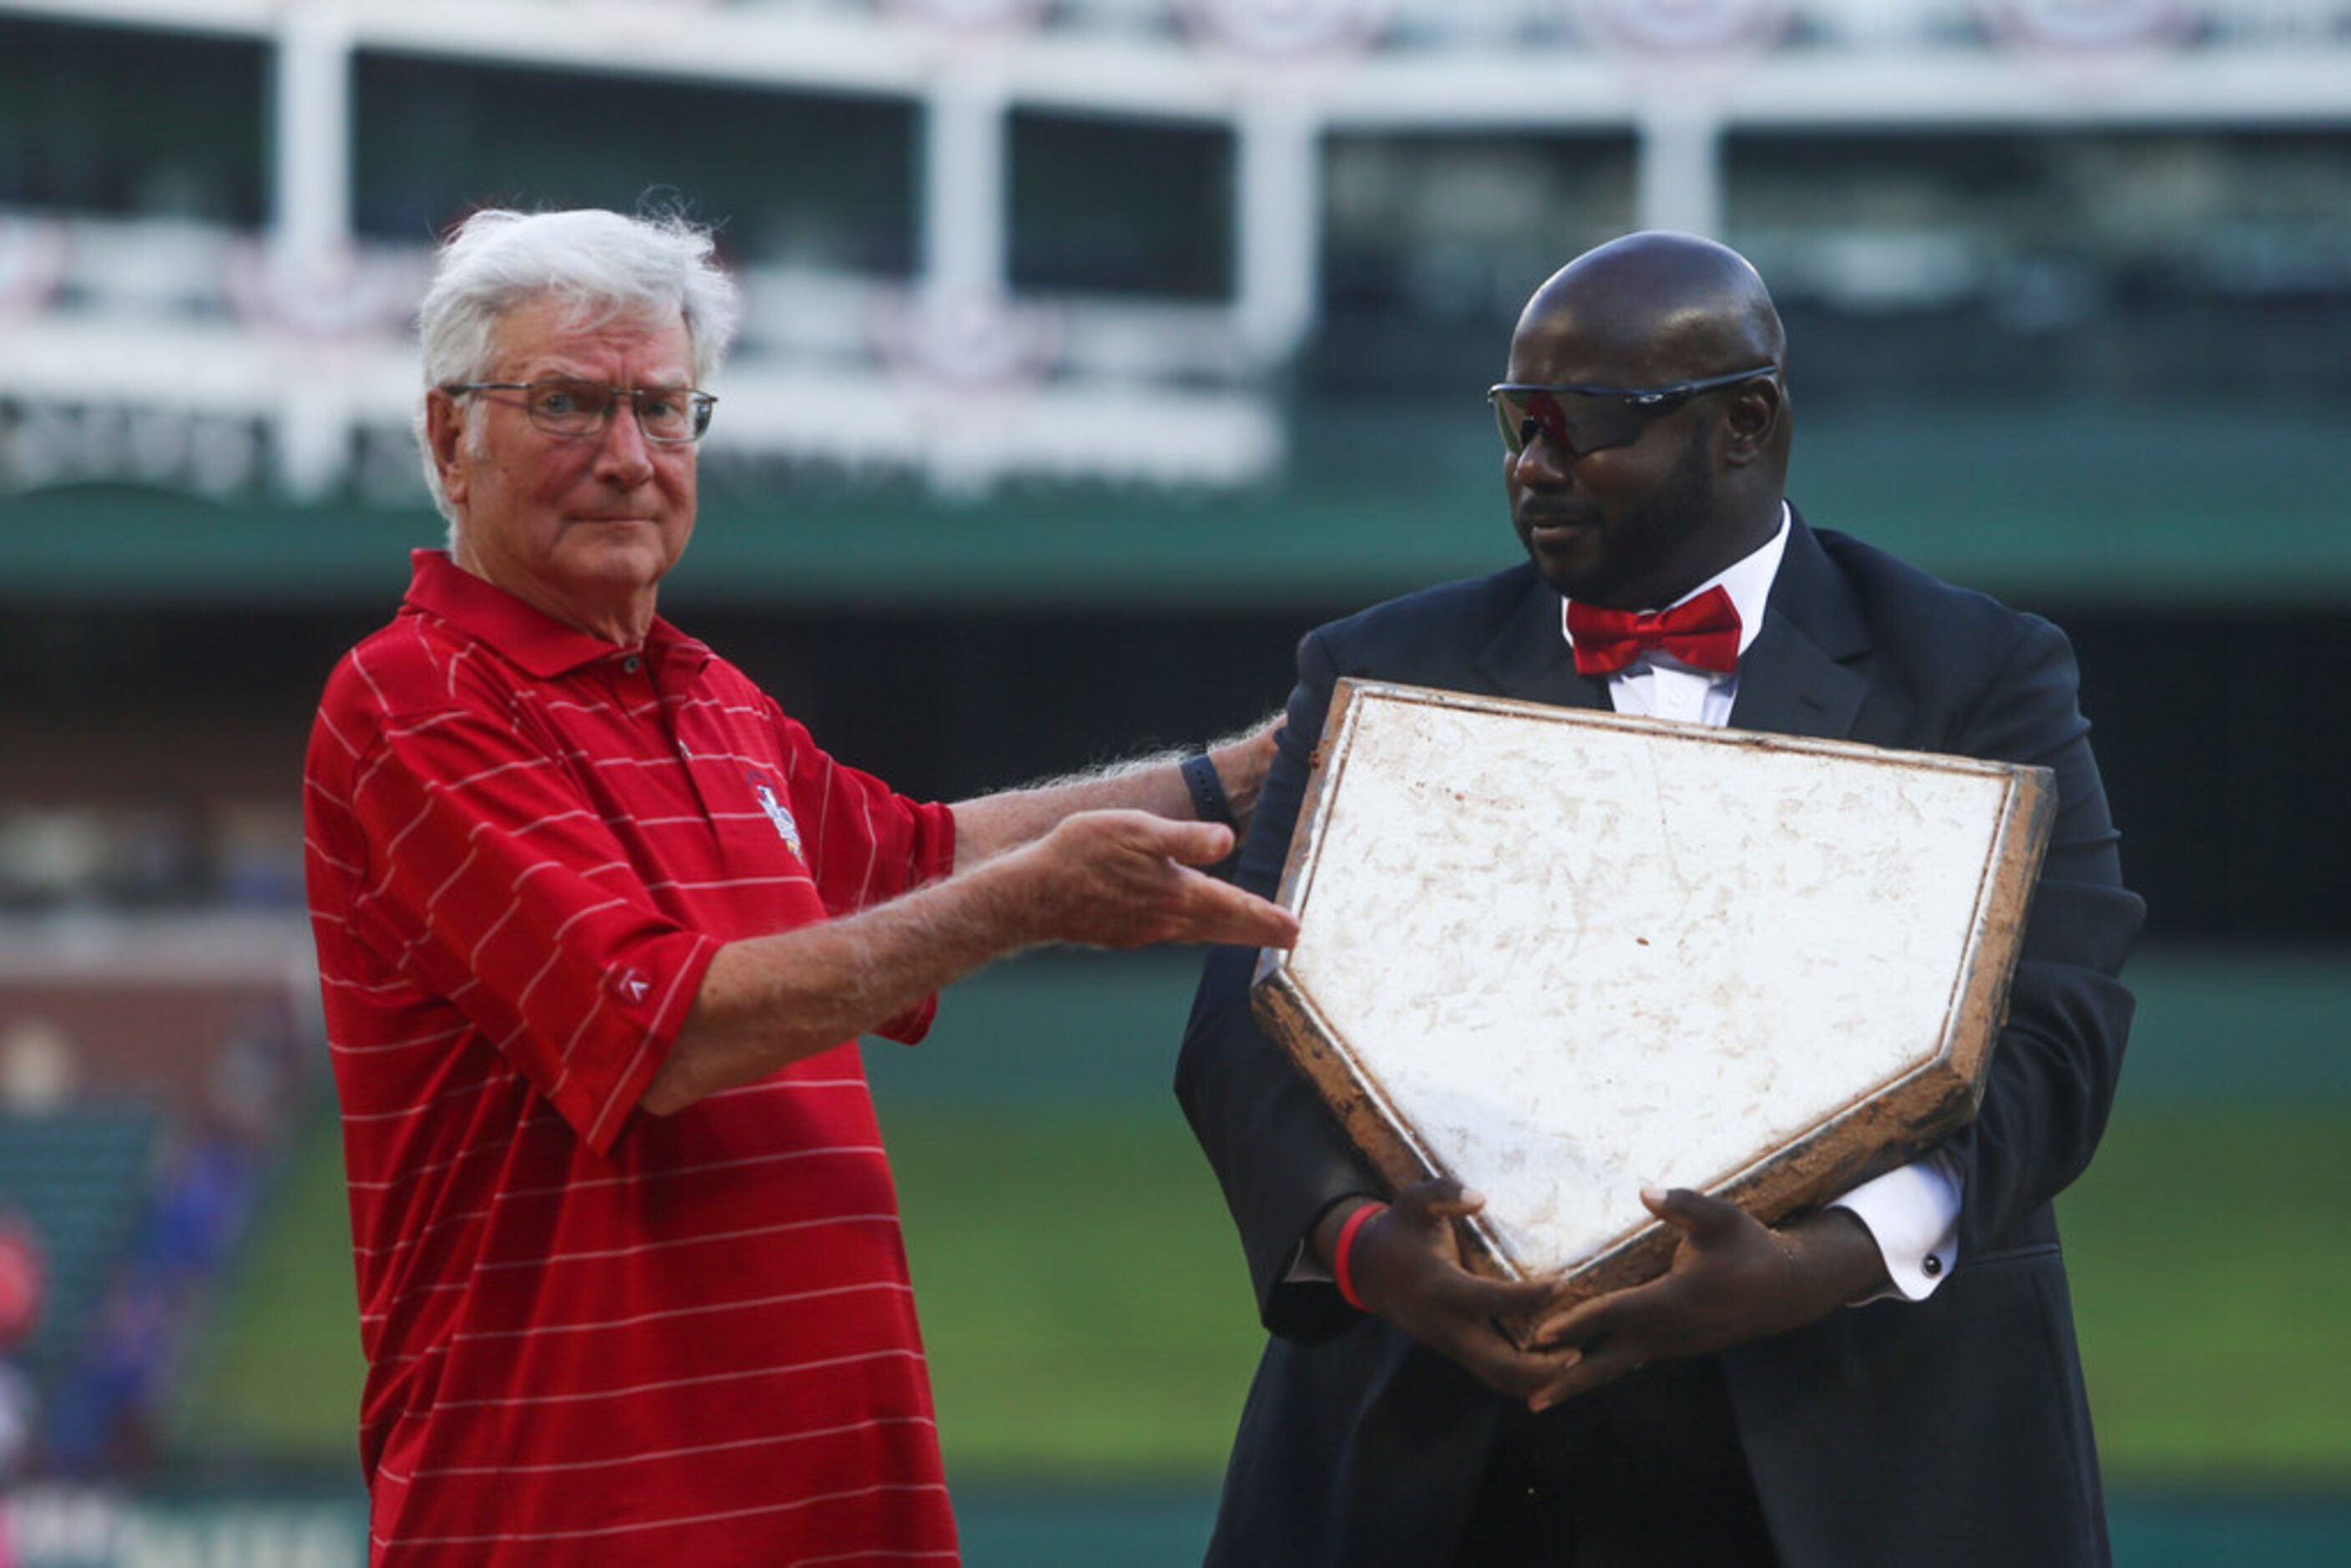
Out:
{"x": 1110, "y": 879}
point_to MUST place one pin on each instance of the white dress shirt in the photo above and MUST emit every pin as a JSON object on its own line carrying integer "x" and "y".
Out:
{"x": 1913, "y": 1213}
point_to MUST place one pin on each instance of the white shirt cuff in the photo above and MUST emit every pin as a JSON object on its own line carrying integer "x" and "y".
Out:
{"x": 1913, "y": 1215}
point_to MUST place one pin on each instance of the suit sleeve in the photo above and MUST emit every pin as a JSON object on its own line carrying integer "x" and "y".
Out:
{"x": 2054, "y": 1073}
{"x": 1276, "y": 1149}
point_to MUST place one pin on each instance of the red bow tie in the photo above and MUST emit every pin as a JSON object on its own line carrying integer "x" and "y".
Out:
{"x": 1703, "y": 633}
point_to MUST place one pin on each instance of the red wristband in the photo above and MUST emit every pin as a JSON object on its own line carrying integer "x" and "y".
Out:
{"x": 1342, "y": 1252}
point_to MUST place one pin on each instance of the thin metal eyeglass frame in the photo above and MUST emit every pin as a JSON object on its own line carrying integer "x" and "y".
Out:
{"x": 701, "y": 403}
{"x": 1655, "y": 402}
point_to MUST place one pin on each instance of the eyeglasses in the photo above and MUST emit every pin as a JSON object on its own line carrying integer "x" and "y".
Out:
{"x": 1580, "y": 420}
{"x": 576, "y": 409}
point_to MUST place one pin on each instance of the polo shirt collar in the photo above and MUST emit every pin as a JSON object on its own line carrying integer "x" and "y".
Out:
{"x": 539, "y": 644}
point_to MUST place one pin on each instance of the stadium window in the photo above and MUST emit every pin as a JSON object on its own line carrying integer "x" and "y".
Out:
{"x": 817, "y": 179}
{"x": 1121, "y": 206}
{"x": 1464, "y": 225}
{"x": 2100, "y": 262}
{"x": 192, "y": 149}
{"x": 1431, "y": 243}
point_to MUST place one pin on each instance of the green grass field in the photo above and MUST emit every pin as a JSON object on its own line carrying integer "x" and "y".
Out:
{"x": 2209, "y": 1277}
{"x": 1085, "y": 1323}
{"x": 1089, "y": 1322}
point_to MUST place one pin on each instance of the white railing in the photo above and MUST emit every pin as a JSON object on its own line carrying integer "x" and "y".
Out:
{"x": 285, "y": 347}
{"x": 182, "y": 354}
{"x": 1296, "y": 32}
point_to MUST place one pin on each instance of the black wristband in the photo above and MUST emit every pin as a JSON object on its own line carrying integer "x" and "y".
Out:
{"x": 1208, "y": 803}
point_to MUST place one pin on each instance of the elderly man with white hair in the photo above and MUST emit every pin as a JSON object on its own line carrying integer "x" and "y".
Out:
{"x": 596, "y": 924}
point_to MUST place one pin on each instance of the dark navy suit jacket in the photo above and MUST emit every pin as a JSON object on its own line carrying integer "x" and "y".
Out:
{"x": 1951, "y": 1431}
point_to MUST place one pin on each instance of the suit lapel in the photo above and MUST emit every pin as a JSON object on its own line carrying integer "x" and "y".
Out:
{"x": 1530, "y": 660}
{"x": 1797, "y": 678}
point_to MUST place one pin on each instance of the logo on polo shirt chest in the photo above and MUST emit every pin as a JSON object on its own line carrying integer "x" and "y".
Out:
{"x": 764, "y": 791}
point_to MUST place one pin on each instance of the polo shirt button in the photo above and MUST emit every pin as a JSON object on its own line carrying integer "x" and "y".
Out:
{"x": 632, "y": 663}
{"x": 1932, "y": 1266}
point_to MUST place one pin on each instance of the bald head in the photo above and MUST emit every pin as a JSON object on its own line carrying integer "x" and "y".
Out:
{"x": 1629, "y": 503}
{"x": 1656, "y": 307}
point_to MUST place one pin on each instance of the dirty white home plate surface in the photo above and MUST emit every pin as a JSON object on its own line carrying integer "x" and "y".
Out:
{"x": 1563, "y": 954}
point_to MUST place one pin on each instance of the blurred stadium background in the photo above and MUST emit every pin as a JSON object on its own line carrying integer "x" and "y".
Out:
{"x": 1095, "y": 350}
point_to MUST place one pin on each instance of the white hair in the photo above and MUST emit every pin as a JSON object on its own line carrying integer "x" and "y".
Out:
{"x": 602, "y": 265}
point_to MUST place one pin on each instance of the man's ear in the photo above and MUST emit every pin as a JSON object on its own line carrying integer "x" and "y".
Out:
{"x": 445, "y": 438}
{"x": 1754, "y": 413}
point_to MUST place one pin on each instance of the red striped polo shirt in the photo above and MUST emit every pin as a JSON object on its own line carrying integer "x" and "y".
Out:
{"x": 596, "y": 1336}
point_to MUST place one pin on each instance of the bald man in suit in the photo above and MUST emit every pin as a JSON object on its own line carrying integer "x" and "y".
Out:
{"x": 1888, "y": 1378}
